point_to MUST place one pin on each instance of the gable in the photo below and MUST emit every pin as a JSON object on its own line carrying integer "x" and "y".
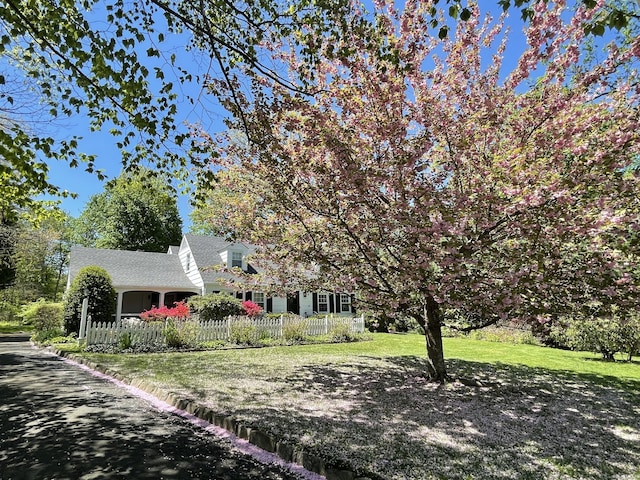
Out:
{"x": 210, "y": 252}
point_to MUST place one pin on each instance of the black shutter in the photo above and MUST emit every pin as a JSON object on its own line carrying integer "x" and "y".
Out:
{"x": 332, "y": 303}
{"x": 269, "y": 305}
{"x": 315, "y": 302}
{"x": 248, "y": 295}
{"x": 353, "y": 306}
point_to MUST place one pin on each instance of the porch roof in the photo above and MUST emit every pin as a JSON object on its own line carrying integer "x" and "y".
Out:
{"x": 133, "y": 269}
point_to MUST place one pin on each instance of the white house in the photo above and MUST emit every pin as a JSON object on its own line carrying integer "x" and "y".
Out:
{"x": 144, "y": 279}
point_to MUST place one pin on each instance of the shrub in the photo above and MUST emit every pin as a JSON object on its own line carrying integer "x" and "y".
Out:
{"x": 45, "y": 317}
{"x": 214, "y": 306}
{"x": 244, "y": 332}
{"x": 399, "y": 323}
{"x": 179, "y": 311}
{"x": 93, "y": 283}
{"x": 341, "y": 333}
{"x": 252, "y": 309}
{"x": 505, "y": 335}
{"x": 56, "y": 340}
{"x": 125, "y": 341}
{"x": 180, "y": 333}
{"x": 618, "y": 332}
{"x": 9, "y": 305}
{"x": 294, "y": 329}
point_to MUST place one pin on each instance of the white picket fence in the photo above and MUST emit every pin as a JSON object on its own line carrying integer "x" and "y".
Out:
{"x": 151, "y": 332}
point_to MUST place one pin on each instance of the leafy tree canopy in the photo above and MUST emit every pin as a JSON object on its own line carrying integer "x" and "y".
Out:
{"x": 116, "y": 63}
{"x": 35, "y": 247}
{"x": 135, "y": 212}
{"x": 427, "y": 178}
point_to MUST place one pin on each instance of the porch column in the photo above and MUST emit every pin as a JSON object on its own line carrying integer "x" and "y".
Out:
{"x": 161, "y": 300}
{"x": 119, "y": 307}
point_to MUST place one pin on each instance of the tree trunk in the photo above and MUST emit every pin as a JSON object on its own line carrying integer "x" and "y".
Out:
{"x": 431, "y": 322}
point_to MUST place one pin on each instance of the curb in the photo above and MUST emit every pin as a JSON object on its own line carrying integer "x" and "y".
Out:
{"x": 260, "y": 439}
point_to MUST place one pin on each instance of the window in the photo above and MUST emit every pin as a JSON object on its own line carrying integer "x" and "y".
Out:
{"x": 236, "y": 259}
{"x": 323, "y": 302}
{"x": 258, "y": 298}
{"x": 188, "y": 261}
{"x": 345, "y": 302}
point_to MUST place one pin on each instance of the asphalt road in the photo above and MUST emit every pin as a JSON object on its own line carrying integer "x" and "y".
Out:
{"x": 60, "y": 422}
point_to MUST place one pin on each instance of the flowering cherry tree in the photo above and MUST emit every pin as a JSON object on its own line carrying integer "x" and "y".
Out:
{"x": 427, "y": 178}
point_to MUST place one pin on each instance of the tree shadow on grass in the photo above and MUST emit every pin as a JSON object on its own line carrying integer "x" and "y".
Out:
{"x": 60, "y": 422}
{"x": 384, "y": 419}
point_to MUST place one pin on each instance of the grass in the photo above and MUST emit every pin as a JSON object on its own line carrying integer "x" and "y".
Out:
{"x": 7, "y": 327}
{"x": 545, "y": 413}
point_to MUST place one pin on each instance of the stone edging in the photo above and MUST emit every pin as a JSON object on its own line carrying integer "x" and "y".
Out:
{"x": 287, "y": 452}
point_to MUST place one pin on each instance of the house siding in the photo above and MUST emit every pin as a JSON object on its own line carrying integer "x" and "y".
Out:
{"x": 278, "y": 305}
{"x": 186, "y": 257}
{"x": 306, "y": 304}
{"x": 166, "y": 276}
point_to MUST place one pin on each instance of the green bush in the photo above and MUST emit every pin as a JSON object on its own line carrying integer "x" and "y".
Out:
{"x": 295, "y": 329}
{"x": 45, "y": 317}
{"x": 505, "y": 335}
{"x": 214, "y": 306}
{"x": 619, "y": 332}
{"x": 341, "y": 333}
{"x": 180, "y": 333}
{"x": 244, "y": 332}
{"x": 95, "y": 284}
{"x": 379, "y": 322}
{"x": 126, "y": 341}
{"x": 56, "y": 340}
{"x": 10, "y": 304}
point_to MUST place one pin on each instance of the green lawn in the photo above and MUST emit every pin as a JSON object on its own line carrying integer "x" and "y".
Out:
{"x": 544, "y": 413}
{"x": 14, "y": 327}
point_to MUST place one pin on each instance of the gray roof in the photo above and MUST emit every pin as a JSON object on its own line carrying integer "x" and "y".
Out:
{"x": 206, "y": 252}
{"x": 133, "y": 269}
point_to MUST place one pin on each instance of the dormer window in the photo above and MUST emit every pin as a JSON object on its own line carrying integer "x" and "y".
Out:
{"x": 188, "y": 262}
{"x": 236, "y": 259}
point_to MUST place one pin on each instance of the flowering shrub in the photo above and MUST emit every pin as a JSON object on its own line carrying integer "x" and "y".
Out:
{"x": 252, "y": 309}
{"x": 179, "y": 311}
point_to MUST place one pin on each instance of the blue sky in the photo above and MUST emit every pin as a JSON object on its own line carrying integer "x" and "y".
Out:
{"x": 209, "y": 114}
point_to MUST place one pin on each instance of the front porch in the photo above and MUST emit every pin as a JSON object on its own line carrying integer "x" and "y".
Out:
{"x": 131, "y": 303}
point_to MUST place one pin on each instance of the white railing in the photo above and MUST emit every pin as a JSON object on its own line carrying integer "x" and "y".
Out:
{"x": 215, "y": 330}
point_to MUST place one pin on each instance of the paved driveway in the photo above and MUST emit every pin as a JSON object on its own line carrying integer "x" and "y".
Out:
{"x": 60, "y": 422}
